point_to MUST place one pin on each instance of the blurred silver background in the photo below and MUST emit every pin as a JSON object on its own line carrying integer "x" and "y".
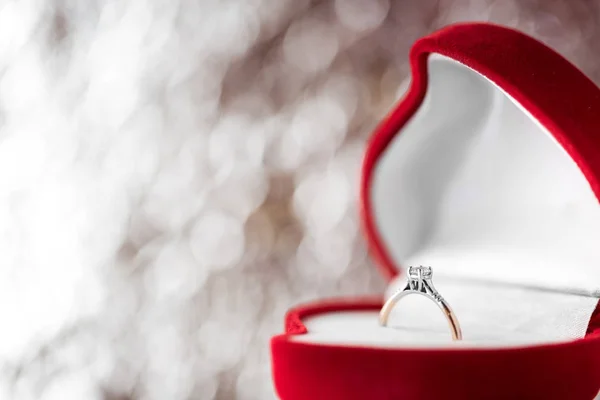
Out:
{"x": 174, "y": 175}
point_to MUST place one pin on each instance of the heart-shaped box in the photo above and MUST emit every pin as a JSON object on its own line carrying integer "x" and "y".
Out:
{"x": 489, "y": 171}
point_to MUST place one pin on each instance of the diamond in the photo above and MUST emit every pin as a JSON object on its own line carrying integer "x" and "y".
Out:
{"x": 420, "y": 272}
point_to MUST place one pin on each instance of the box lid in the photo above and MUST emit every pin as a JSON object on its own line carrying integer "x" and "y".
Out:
{"x": 490, "y": 164}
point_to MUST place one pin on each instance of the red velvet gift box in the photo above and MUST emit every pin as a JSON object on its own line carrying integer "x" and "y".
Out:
{"x": 489, "y": 171}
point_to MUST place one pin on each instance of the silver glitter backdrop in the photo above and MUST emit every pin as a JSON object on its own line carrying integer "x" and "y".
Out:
{"x": 174, "y": 175}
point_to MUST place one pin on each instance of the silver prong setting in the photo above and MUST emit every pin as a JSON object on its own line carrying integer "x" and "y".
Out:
{"x": 419, "y": 281}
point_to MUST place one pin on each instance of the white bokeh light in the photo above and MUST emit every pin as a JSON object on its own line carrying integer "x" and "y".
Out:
{"x": 17, "y": 22}
{"x": 322, "y": 200}
{"x": 235, "y": 140}
{"x": 23, "y": 84}
{"x": 217, "y": 240}
{"x": 222, "y": 346}
{"x": 362, "y": 15}
{"x": 170, "y": 369}
{"x": 246, "y": 387}
{"x": 345, "y": 91}
{"x": 72, "y": 386}
{"x": 242, "y": 192}
{"x": 174, "y": 274}
{"x": 310, "y": 45}
{"x": 230, "y": 29}
{"x": 319, "y": 125}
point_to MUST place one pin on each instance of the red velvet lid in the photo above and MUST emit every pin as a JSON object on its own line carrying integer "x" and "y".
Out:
{"x": 550, "y": 88}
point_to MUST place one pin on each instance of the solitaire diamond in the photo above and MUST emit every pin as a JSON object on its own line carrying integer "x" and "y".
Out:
{"x": 420, "y": 272}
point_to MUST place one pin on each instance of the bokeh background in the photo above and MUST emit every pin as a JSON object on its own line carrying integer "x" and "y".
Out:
{"x": 174, "y": 175}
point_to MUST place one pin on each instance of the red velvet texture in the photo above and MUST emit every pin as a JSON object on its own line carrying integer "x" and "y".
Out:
{"x": 568, "y": 104}
{"x": 305, "y": 371}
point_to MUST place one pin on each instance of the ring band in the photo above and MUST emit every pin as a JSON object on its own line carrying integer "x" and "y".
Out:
{"x": 419, "y": 282}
